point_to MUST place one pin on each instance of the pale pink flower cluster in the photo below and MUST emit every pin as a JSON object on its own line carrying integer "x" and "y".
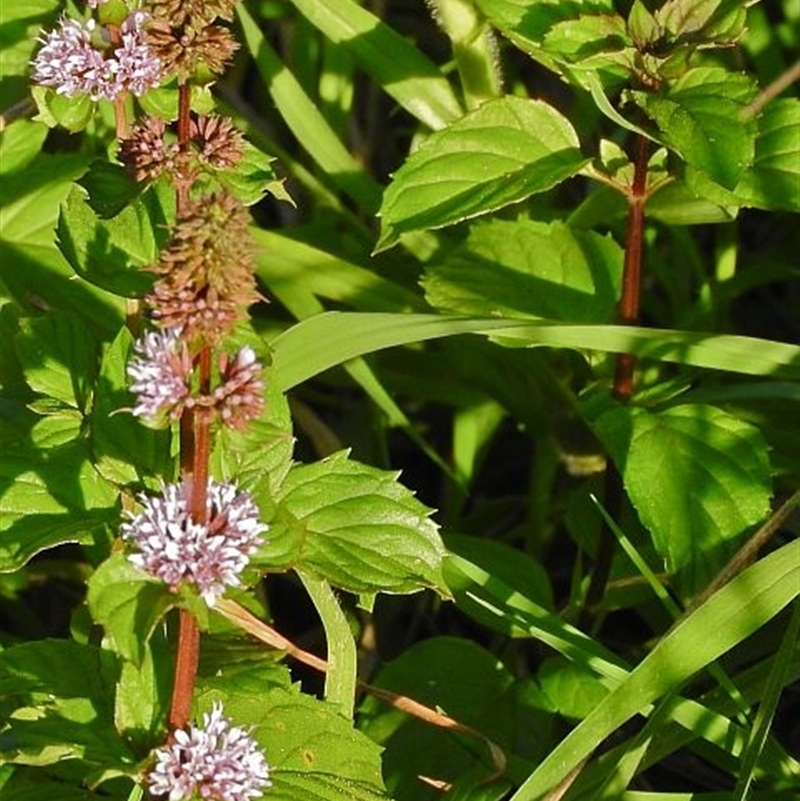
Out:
{"x": 70, "y": 63}
{"x": 161, "y": 374}
{"x": 211, "y": 556}
{"x": 215, "y": 762}
{"x": 239, "y": 397}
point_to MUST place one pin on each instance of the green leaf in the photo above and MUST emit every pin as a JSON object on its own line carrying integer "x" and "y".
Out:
{"x": 528, "y": 269}
{"x": 329, "y": 339}
{"x": 128, "y": 604}
{"x": 355, "y": 526}
{"x": 700, "y": 117}
{"x": 59, "y": 356}
{"x": 717, "y": 21}
{"x": 313, "y": 752}
{"x": 20, "y": 144}
{"x": 60, "y": 669}
{"x": 110, "y": 187}
{"x": 462, "y": 680}
{"x": 58, "y": 687}
{"x": 557, "y": 33}
{"x": 252, "y": 177}
{"x": 111, "y": 253}
{"x": 72, "y": 113}
{"x": 573, "y": 691}
{"x": 510, "y": 565}
{"x": 48, "y": 498}
{"x": 258, "y": 458}
{"x": 725, "y": 620}
{"x": 403, "y": 71}
{"x": 501, "y": 153}
{"x": 305, "y": 120}
{"x": 773, "y": 182}
{"x": 698, "y": 478}
{"x": 124, "y": 449}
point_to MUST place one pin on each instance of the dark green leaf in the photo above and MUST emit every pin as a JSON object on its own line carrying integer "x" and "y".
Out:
{"x": 110, "y": 187}
{"x": 111, "y": 253}
{"x": 528, "y": 269}
{"x": 355, "y": 526}
{"x": 698, "y": 477}
{"x": 700, "y": 117}
{"x": 476, "y": 693}
{"x": 572, "y": 690}
{"x": 502, "y": 153}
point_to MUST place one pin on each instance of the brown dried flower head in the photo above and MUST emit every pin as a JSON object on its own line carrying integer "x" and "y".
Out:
{"x": 218, "y": 143}
{"x": 145, "y": 152}
{"x": 207, "y": 269}
{"x": 192, "y": 12}
{"x": 183, "y": 48}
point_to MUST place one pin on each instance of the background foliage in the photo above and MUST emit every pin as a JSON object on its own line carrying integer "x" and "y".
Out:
{"x": 444, "y": 287}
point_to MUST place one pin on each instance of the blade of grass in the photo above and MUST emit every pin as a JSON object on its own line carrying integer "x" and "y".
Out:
{"x": 305, "y": 121}
{"x": 329, "y": 339}
{"x": 777, "y": 680}
{"x": 726, "y": 619}
{"x": 407, "y": 75}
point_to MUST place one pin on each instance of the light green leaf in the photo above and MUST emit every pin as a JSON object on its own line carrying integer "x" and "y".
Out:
{"x": 773, "y": 182}
{"x": 252, "y": 177}
{"x": 258, "y": 458}
{"x": 528, "y": 269}
{"x": 50, "y": 497}
{"x": 59, "y": 356}
{"x": 72, "y": 113}
{"x": 355, "y": 526}
{"x": 313, "y": 752}
{"x": 20, "y": 142}
{"x": 700, "y": 117}
{"x": 128, "y": 604}
{"x": 730, "y": 616}
{"x": 501, "y": 153}
{"x": 330, "y": 339}
{"x": 698, "y": 478}
{"x": 403, "y": 71}
{"x": 573, "y": 691}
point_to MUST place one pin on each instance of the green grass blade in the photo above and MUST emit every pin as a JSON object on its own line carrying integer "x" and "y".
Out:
{"x": 726, "y": 619}
{"x": 322, "y": 342}
{"x": 781, "y": 667}
{"x": 305, "y": 121}
{"x": 407, "y": 75}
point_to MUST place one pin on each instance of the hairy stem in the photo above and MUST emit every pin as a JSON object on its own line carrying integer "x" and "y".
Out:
{"x": 625, "y": 366}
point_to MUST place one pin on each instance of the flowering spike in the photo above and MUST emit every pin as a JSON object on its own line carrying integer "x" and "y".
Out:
{"x": 175, "y": 549}
{"x": 215, "y": 762}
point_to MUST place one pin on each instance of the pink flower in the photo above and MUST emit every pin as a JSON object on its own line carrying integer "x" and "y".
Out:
{"x": 217, "y": 762}
{"x": 70, "y": 63}
{"x": 161, "y": 374}
{"x": 175, "y": 549}
{"x": 240, "y": 396}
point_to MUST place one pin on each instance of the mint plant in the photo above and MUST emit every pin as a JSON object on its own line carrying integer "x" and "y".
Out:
{"x": 259, "y": 256}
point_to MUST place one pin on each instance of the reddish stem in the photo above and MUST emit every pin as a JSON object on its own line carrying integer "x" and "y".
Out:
{"x": 186, "y": 662}
{"x": 632, "y": 270}
{"x": 195, "y": 443}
